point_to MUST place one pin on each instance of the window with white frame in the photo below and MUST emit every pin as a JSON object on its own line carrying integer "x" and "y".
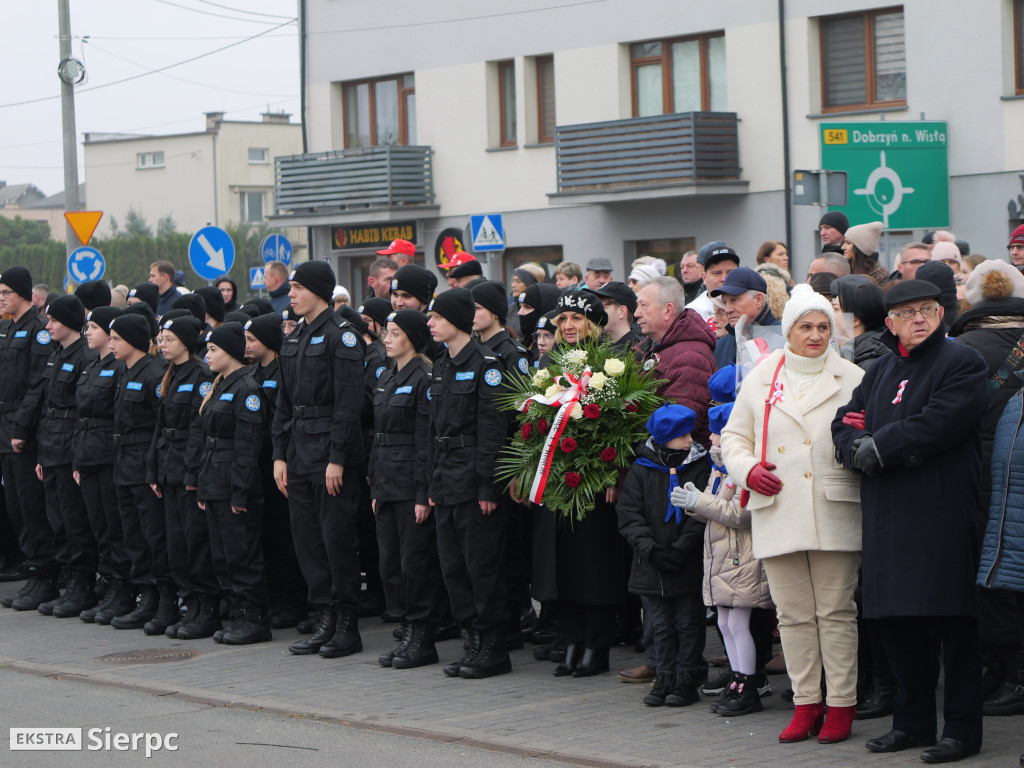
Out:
{"x": 252, "y": 207}
{"x": 258, "y": 155}
{"x": 145, "y": 160}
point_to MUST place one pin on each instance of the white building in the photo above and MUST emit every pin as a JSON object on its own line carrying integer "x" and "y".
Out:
{"x": 222, "y": 175}
{"x": 626, "y": 127}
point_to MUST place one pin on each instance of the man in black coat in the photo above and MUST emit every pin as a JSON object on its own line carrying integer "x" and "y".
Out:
{"x": 912, "y": 429}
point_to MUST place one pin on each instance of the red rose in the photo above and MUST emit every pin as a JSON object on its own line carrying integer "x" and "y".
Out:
{"x": 572, "y": 479}
{"x": 526, "y": 430}
{"x": 568, "y": 445}
{"x": 528, "y": 406}
{"x": 631, "y": 408}
{"x": 592, "y": 411}
{"x": 608, "y": 454}
{"x": 542, "y": 425}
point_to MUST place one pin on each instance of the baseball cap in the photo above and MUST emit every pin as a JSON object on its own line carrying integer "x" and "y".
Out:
{"x": 457, "y": 260}
{"x": 619, "y": 292}
{"x": 741, "y": 280}
{"x": 720, "y": 253}
{"x": 403, "y": 247}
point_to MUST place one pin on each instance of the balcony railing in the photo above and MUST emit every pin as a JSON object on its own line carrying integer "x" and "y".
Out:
{"x": 666, "y": 150}
{"x": 365, "y": 177}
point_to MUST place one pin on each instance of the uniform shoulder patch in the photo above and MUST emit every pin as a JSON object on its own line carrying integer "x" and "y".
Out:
{"x": 205, "y": 388}
{"x": 348, "y": 339}
{"x": 158, "y": 389}
{"x": 428, "y": 394}
{"x": 252, "y": 402}
{"x": 381, "y": 370}
{"x": 492, "y": 377}
{"x": 524, "y": 366}
{"x": 43, "y": 337}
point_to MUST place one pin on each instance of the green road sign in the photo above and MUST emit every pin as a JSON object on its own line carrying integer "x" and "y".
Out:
{"x": 898, "y": 172}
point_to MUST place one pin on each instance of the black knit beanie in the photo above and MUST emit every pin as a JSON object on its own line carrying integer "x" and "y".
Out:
{"x": 19, "y": 280}
{"x": 133, "y": 328}
{"x": 415, "y": 280}
{"x": 267, "y": 330}
{"x": 376, "y": 309}
{"x": 237, "y": 316}
{"x": 835, "y": 219}
{"x": 214, "y": 301}
{"x": 456, "y": 305}
{"x": 144, "y": 310}
{"x": 187, "y": 329}
{"x": 193, "y": 303}
{"x": 317, "y": 276}
{"x": 351, "y": 314}
{"x": 147, "y": 293}
{"x": 104, "y": 316}
{"x": 490, "y": 294}
{"x": 230, "y": 337}
{"x": 68, "y": 311}
{"x": 414, "y": 324}
{"x": 95, "y": 293}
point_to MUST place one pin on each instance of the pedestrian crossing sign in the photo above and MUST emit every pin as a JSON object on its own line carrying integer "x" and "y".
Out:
{"x": 257, "y": 278}
{"x": 488, "y": 233}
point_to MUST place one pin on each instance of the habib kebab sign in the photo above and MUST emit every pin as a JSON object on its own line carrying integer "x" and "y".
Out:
{"x": 898, "y": 173}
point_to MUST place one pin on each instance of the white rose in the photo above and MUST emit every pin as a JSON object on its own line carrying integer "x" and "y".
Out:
{"x": 598, "y": 380}
{"x": 541, "y": 378}
{"x": 553, "y": 390}
{"x": 614, "y": 367}
{"x": 577, "y": 411}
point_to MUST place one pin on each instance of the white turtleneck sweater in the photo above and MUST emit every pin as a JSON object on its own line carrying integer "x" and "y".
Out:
{"x": 803, "y": 371}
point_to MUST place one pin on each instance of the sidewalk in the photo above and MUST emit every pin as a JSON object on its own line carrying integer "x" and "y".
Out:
{"x": 597, "y": 721}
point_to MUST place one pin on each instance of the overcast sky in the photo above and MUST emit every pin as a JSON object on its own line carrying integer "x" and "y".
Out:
{"x": 117, "y": 39}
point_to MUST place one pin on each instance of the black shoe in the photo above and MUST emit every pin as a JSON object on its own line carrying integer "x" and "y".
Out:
{"x": 660, "y": 690}
{"x": 45, "y": 588}
{"x": 252, "y": 626}
{"x": 13, "y": 570}
{"x": 717, "y": 685}
{"x": 573, "y": 654}
{"x": 205, "y": 622}
{"x": 167, "y": 611}
{"x": 745, "y": 702}
{"x": 7, "y": 601}
{"x": 897, "y": 741}
{"x": 144, "y": 611}
{"x": 346, "y": 640}
{"x": 89, "y": 614}
{"x": 46, "y": 609}
{"x": 218, "y": 636}
{"x": 326, "y": 624}
{"x": 122, "y": 602}
{"x": 594, "y": 662}
{"x": 492, "y": 658}
{"x": 544, "y": 628}
{"x": 387, "y": 657}
{"x": 80, "y": 596}
{"x": 1007, "y": 700}
{"x": 419, "y": 651}
{"x": 731, "y": 693}
{"x": 949, "y": 751}
{"x": 286, "y": 615}
{"x": 306, "y": 626}
{"x": 471, "y": 648}
{"x": 684, "y": 692}
{"x": 877, "y": 701}
{"x": 556, "y": 654}
{"x": 190, "y": 613}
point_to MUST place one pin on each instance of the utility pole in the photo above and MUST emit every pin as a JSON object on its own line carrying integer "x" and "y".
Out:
{"x": 69, "y": 74}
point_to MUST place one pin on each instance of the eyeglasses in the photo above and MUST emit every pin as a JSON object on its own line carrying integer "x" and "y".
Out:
{"x": 909, "y": 314}
{"x": 5, "y": 294}
{"x": 1015, "y": 247}
{"x": 916, "y": 262}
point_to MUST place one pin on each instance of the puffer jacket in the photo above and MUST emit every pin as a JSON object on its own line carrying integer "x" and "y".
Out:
{"x": 733, "y": 577}
{"x": 1002, "y": 550}
{"x": 868, "y": 347}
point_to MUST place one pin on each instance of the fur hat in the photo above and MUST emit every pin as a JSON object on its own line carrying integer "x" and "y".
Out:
{"x": 992, "y": 280}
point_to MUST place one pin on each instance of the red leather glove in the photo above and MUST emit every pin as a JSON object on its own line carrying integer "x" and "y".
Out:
{"x": 763, "y": 481}
{"x": 854, "y": 419}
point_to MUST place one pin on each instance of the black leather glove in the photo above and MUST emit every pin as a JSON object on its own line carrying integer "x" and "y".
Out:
{"x": 664, "y": 561}
{"x": 865, "y": 456}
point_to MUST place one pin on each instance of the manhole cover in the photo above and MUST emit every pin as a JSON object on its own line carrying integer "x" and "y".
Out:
{"x": 149, "y": 656}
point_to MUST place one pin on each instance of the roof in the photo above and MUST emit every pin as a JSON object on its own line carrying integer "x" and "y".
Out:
{"x": 13, "y": 194}
{"x": 57, "y": 200}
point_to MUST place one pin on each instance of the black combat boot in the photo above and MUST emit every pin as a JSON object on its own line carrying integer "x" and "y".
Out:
{"x": 471, "y": 649}
{"x": 745, "y": 702}
{"x": 326, "y": 624}
{"x": 80, "y": 596}
{"x": 167, "y": 611}
{"x": 544, "y": 628}
{"x": 492, "y": 658}
{"x": 387, "y": 657}
{"x": 252, "y": 626}
{"x": 419, "y": 651}
{"x": 145, "y": 609}
{"x": 122, "y": 602}
{"x": 346, "y": 640}
{"x": 1009, "y": 698}
{"x": 89, "y": 614}
{"x": 684, "y": 691}
{"x": 659, "y": 692}
{"x": 287, "y": 614}
{"x": 7, "y": 601}
{"x": 45, "y": 589}
{"x": 191, "y": 611}
{"x": 206, "y": 621}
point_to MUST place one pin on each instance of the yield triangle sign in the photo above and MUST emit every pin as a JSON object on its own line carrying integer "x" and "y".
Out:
{"x": 84, "y": 223}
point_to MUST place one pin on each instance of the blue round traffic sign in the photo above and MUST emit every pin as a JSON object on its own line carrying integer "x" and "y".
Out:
{"x": 276, "y": 248}
{"x": 86, "y": 264}
{"x": 211, "y": 252}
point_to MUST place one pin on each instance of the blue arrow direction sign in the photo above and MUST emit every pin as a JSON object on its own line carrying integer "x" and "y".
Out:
{"x": 488, "y": 234}
{"x": 211, "y": 252}
{"x": 86, "y": 264}
{"x": 257, "y": 278}
{"x": 276, "y": 248}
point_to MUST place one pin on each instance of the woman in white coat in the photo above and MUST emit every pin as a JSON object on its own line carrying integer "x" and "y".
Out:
{"x": 805, "y": 510}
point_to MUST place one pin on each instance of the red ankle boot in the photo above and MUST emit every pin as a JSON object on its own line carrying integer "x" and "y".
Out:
{"x": 837, "y": 725}
{"x": 806, "y": 722}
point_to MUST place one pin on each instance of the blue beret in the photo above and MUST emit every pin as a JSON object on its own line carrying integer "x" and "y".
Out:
{"x": 723, "y": 384}
{"x": 670, "y": 422}
{"x": 718, "y": 416}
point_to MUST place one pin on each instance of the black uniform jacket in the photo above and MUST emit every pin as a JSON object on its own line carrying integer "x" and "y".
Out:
{"x": 517, "y": 361}
{"x": 267, "y": 376}
{"x": 401, "y": 441}
{"x": 25, "y": 346}
{"x": 94, "y": 398}
{"x": 59, "y": 411}
{"x": 177, "y": 439}
{"x": 135, "y": 405}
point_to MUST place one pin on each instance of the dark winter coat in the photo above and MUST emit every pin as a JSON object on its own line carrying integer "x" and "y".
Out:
{"x": 177, "y": 440}
{"x": 920, "y": 544}
{"x": 94, "y": 398}
{"x": 641, "y": 509}
{"x": 59, "y": 413}
{"x": 590, "y": 561}
{"x": 398, "y": 467}
{"x": 1002, "y": 551}
{"x": 868, "y": 347}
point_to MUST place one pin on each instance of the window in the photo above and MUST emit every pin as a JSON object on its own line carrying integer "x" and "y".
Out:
{"x": 507, "y": 102}
{"x": 381, "y": 111}
{"x": 863, "y": 60}
{"x": 545, "y": 99}
{"x": 671, "y": 251}
{"x": 258, "y": 155}
{"x": 1018, "y": 44}
{"x": 252, "y": 207}
{"x": 145, "y": 160}
{"x": 682, "y": 75}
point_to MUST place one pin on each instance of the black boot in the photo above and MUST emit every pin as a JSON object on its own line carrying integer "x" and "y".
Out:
{"x": 145, "y": 609}
{"x": 387, "y": 657}
{"x": 1009, "y": 698}
{"x": 80, "y": 596}
{"x": 252, "y": 626}
{"x": 419, "y": 651}
{"x": 447, "y": 631}
{"x": 659, "y": 692}
{"x": 731, "y": 692}
{"x": 45, "y": 588}
{"x": 307, "y": 625}
{"x": 878, "y": 700}
{"x": 206, "y": 621}
{"x": 471, "y": 649}
{"x": 47, "y": 608}
{"x": 745, "y": 702}
{"x": 594, "y": 662}
{"x": 89, "y": 614}
{"x": 287, "y": 614}
{"x": 684, "y": 692}
{"x": 492, "y": 658}
{"x": 186, "y": 618}
{"x": 7, "y": 601}
{"x": 544, "y": 628}
{"x": 326, "y": 623}
{"x": 346, "y": 640}
{"x": 573, "y": 652}
{"x": 167, "y": 611}
{"x": 121, "y": 603}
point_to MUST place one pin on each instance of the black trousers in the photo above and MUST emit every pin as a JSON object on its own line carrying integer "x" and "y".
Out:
{"x": 10, "y": 550}
{"x": 409, "y": 567}
{"x": 913, "y": 645}
{"x": 237, "y": 549}
{"x": 325, "y": 529}
{"x": 142, "y": 520}
{"x": 74, "y": 545}
{"x": 369, "y": 556}
{"x": 471, "y": 547}
{"x": 27, "y": 510}
{"x": 518, "y": 545}
{"x": 175, "y": 524}
{"x": 285, "y": 583}
{"x": 679, "y": 632}
{"x": 189, "y": 556}
{"x": 100, "y": 497}
{"x": 592, "y": 625}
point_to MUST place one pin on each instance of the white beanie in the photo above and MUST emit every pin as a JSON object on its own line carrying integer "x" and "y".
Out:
{"x": 644, "y": 273}
{"x": 802, "y": 301}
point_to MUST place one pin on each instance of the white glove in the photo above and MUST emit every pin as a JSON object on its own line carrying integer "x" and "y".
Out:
{"x": 716, "y": 454}
{"x": 685, "y": 497}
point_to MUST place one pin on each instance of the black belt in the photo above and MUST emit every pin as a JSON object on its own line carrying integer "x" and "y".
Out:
{"x": 388, "y": 440}
{"x": 175, "y": 434}
{"x": 312, "y": 411}
{"x": 11, "y": 405}
{"x": 91, "y": 423}
{"x": 136, "y": 439}
{"x": 458, "y": 441}
{"x": 70, "y": 413}
{"x": 219, "y": 444}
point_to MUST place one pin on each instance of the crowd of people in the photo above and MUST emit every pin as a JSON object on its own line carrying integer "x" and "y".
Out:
{"x": 834, "y": 468}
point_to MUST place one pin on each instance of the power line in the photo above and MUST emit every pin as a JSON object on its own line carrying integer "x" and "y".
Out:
{"x": 188, "y": 37}
{"x": 218, "y": 15}
{"x": 152, "y": 71}
{"x": 242, "y": 10}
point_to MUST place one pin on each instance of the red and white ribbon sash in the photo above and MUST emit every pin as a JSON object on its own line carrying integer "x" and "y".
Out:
{"x": 776, "y": 396}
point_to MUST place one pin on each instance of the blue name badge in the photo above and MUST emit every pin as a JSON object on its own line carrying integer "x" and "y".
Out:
{"x": 229, "y": 396}
{"x": 20, "y": 334}
{"x": 106, "y": 373}
{"x": 404, "y": 390}
{"x": 464, "y": 375}
{"x": 67, "y": 367}
{"x": 136, "y": 385}
{"x": 270, "y": 384}
{"x": 316, "y": 340}
{"x": 186, "y": 387}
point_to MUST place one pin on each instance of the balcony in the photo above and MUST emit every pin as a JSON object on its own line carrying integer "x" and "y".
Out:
{"x": 677, "y": 155}
{"x": 365, "y": 184}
